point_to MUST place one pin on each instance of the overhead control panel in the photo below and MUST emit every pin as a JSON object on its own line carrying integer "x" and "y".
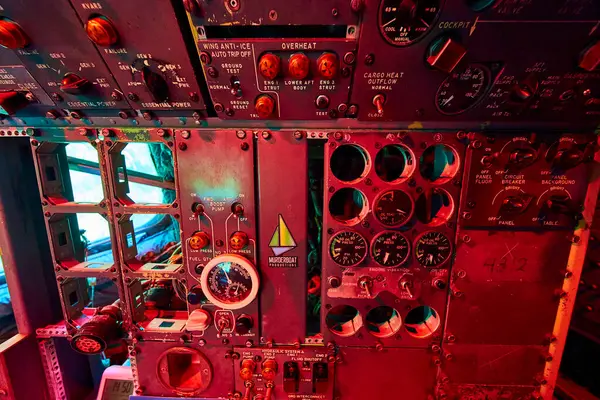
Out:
{"x": 271, "y": 12}
{"x": 487, "y": 60}
{"x": 58, "y": 54}
{"x": 145, "y": 50}
{"x": 279, "y": 79}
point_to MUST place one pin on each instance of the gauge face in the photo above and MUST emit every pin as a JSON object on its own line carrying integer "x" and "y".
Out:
{"x": 393, "y": 208}
{"x": 432, "y": 249}
{"x": 229, "y": 281}
{"x": 403, "y": 22}
{"x": 462, "y": 90}
{"x": 390, "y": 249}
{"x": 347, "y": 248}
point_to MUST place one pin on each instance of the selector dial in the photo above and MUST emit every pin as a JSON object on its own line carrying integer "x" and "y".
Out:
{"x": 347, "y": 248}
{"x": 230, "y": 281}
{"x": 390, "y": 249}
{"x": 432, "y": 249}
{"x": 567, "y": 154}
{"x": 403, "y": 22}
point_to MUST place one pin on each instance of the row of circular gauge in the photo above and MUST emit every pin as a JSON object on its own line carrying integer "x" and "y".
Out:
{"x": 394, "y": 163}
{"x": 389, "y": 249}
{"x": 392, "y": 208}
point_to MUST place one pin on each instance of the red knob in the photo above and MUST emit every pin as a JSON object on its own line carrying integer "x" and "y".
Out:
{"x": 101, "y": 31}
{"x": 327, "y": 65}
{"x": 264, "y": 106}
{"x": 269, "y": 66}
{"x": 12, "y": 35}
{"x": 299, "y": 66}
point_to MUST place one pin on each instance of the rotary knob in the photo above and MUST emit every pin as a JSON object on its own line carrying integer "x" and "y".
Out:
{"x": 515, "y": 204}
{"x": 269, "y": 66}
{"x": 327, "y": 65}
{"x": 299, "y": 66}
{"x": 243, "y": 324}
{"x": 12, "y": 35}
{"x": 74, "y": 84}
{"x": 521, "y": 158}
{"x": 101, "y": 31}
{"x": 156, "y": 85}
{"x": 264, "y": 106}
{"x": 445, "y": 54}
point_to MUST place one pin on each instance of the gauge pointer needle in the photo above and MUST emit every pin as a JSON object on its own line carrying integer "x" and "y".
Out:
{"x": 387, "y": 255}
{"x": 227, "y": 276}
{"x": 445, "y": 102}
{"x": 389, "y": 22}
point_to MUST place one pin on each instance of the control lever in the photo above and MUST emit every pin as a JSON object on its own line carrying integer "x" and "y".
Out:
{"x": 407, "y": 286}
{"x": 366, "y": 284}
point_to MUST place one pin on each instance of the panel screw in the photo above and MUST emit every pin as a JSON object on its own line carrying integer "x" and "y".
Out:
{"x": 466, "y": 215}
{"x": 460, "y": 135}
{"x": 56, "y": 97}
{"x": 240, "y": 134}
{"x": 450, "y": 338}
{"x": 338, "y": 135}
{"x": 182, "y": 146}
{"x": 51, "y": 114}
{"x": 76, "y": 115}
{"x": 466, "y": 239}
{"x": 244, "y": 146}
{"x": 476, "y": 144}
{"x": 123, "y": 115}
{"x": 116, "y": 96}
{"x": 212, "y": 72}
{"x": 272, "y": 15}
{"x": 219, "y": 243}
{"x": 266, "y": 135}
{"x": 471, "y": 204}
{"x": 106, "y": 132}
{"x": 186, "y": 134}
{"x": 370, "y": 59}
{"x": 229, "y": 112}
{"x": 35, "y": 143}
{"x": 349, "y": 58}
{"x": 205, "y": 57}
{"x": 342, "y": 108}
{"x": 352, "y": 110}
{"x": 82, "y": 132}
{"x": 334, "y": 12}
{"x": 346, "y": 72}
{"x": 161, "y": 132}
{"x": 132, "y": 96}
{"x": 298, "y": 135}
{"x": 147, "y": 115}
{"x": 219, "y": 107}
{"x": 332, "y": 113}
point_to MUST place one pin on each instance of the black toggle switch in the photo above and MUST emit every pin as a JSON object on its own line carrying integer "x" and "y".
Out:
{"x": 320, "y": 377}
{"x": 291, "y": 377}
